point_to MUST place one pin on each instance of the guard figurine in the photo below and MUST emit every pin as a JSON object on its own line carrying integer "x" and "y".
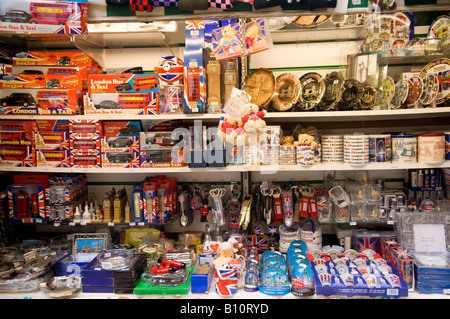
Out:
{"x": 204, "y": 210}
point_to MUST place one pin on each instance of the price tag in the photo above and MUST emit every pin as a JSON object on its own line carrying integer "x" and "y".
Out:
{"x": 83, "y": 223}
{"x": 352, "y": 223}
{"x": 141, "y": 224}
{"x": 72, "y": 224}
{"x": 132, "y": 224}
{"x": 110, "y": 224}
{"x": 56, "y": 224}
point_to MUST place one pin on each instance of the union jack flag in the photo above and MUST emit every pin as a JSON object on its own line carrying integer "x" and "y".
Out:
{"x": 272, "y": 230}
{"x": 368, "y": 243}
{"x": 194, "y": 24}
{"x": 226, "y": 281}
{"x": 174, "y": 102}
{"x": 73, "y": 24}
{"x": 261, "y": 242}
{"x": 257, "y": 230}
{"x": 321, "y": 203}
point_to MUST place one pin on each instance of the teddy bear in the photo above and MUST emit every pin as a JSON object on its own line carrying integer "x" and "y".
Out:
{"x": 232, "y": 131}
{"x": 252, "y": 118}
{"x": 305, "y": 139}
{"x": 229, "y": 39}
{"x": 287, "y": 140}
{"x": 226, "y": 253}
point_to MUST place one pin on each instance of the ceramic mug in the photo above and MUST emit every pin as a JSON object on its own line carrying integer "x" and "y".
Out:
{"x": 226, "y": 281}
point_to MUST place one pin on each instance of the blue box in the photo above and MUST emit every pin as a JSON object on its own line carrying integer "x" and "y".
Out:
{"x": 200, "y": 282}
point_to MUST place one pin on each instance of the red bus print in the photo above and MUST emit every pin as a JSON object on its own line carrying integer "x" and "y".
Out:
{"x": 83, "y": 128}
{"x": 193, "y": 78}
{"x": 52, "y": 137}
{"x": 84, "y": 145}
{"x": 53, "y": 155}
{"x": 146, "y": 82}
{"x": 133, "y": 100}
{"x": 50, "y": 12}
{"x": 85, "y": 160}
{"x": 52, "y": 99}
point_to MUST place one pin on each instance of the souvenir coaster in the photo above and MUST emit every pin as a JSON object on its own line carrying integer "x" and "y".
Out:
{"x": 414, "y": 90}
{"x": 386, "y": 89}
{"x": 430, "y": 89}
{"x": 352, "y": 93}
{"x": 260, "y": 85}
{"x": 439, "y": 28}
{"x": 368, "y": 97}
{"x": 287, "y": 91}
{"x": 440, "y": 68}
{"x": 333, "y": 90}
{"x": 400, "y": 95}
{"x": 312, "y": 90}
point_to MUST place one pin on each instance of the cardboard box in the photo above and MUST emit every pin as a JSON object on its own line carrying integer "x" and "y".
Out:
{"x": 26, "y": 203}
{"x": 17, "y": 143}
{"x": 120, "y": 144}
{"x": 43, "y": 16}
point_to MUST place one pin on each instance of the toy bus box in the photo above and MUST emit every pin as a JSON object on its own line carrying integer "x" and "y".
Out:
{"x": 123, "y": 82}
{"x": 84, "y": 129}
{"x": 17, "y": 143}
{"x": 52, "y": 58}
{"x": 122, "y": 94}
{"x": 26, "y": 203}
{"x": 41, "y": 81}
{"x": 86, "y": 146}
{"x": 48, "y": 140}
{"x": 39, "y": 102}
{"x": 85, "y": 161}
{"x": 52, "y": 158}
{"x": 53, "y": 125}
{"x": 44, "y": 16}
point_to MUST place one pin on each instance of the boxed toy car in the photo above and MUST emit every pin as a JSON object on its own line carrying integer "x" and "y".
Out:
{"x": 17, "y": 143}
{"x": 40, "y": 94}
{"x": 52, "y": 147}
{"x": 157, "y": 149}
{"x": 120, "y": 144}
{"x": 84, "y": 141}
{"x": 44, "y": 16}
{"x": 122, "y": 94}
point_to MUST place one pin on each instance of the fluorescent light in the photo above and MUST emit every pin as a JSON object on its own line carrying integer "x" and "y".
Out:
{"x": 124, "y": 27}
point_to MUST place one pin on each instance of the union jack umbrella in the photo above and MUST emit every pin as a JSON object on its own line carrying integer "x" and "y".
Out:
{"x": 226, "y": 281}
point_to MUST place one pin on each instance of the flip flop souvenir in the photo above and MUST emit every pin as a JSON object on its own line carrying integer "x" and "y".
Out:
{"x": 430, "y": 89}
{"x": 385, "y": 92}
{"x": 415, "y": 85}
{"x": 440, "y": 68}
{"x": 368, "y": 97}
{"x": 312, "y": 90}
{"x": 333, "y": 90}
{"x": 351, "y": 94}
{"x": 400, "y": 95}
{"x": 260, "y": 85}
{"x": 440, "y": 28}
{"x": 287, "y": 91}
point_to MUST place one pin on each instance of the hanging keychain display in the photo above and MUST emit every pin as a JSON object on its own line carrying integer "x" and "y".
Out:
{"x": 218, "y": 210}
{"x": 308, "y": 204}
{"x": 287, "y": 202}
{"x": 277, "y": 205}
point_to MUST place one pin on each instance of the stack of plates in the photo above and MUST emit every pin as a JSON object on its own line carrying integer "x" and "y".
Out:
{"x": 332, "y": 148}
{"x": 356, "y": 149}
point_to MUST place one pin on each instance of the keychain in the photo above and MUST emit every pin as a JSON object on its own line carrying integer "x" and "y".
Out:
{"x": 195, "y": 198}
{"x": 204, "y": 210}
{"x": 308, "y": 204}
{"x": 257, "y": 205}
{"x": 277, "y": 205}
{"x": 184, "y": 220}
{"x": 287, "y": 206}
{"x": 244, "y": 218}
{"x": 233, "y": 205}
{"x": 296, "y": 191}
{"x": 218, "y": 211}
{"x": 267, "y": 202}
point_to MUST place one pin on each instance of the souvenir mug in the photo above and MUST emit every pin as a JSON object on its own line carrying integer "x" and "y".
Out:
{"x": 226, "y": 281}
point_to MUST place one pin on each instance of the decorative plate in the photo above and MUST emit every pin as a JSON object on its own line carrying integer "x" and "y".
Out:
{"x": 430, "y": 88}
{"x": 312, "y": 90}
{"x": 400, "y": 95}
{"x": 333, "y": 90}
{"x": 415, "y": 87}
{"x": 260, "y": 85}
{"x": 287, "y": 91}
{"x": 440, "y": 68}
{"x": 385, "y": 92}
{"x": 351, "y": 94}
{"x": 368, "y": 97}
{"x": 440, "y": 28}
